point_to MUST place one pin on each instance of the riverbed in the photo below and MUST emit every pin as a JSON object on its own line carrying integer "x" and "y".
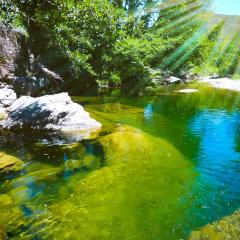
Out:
{"x": 162, "y": 167}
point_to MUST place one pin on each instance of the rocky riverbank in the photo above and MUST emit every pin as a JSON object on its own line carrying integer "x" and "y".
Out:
{"x": 55, "y": 113}
{"x": 223, "y": 83}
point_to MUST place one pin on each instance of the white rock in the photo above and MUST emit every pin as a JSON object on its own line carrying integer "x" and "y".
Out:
{"x": 7, "y": 97}
{"x": 3, "y": 113}
{"x": 188, "y": 90}
{"x": 53, "y": 112}
{"x": 173, "y": 79}
{"x": 223, "y": 83}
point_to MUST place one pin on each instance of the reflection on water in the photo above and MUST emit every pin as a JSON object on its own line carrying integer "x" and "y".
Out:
{"x": 217, "y": 160}
{"x": 172, "y": 167}
{"x": 148, "y": 111}
{"x": 217, "y": 154}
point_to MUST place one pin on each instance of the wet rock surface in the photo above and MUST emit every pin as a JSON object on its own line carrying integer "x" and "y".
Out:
{"x": 100, "y": 198}
{"x": 227, "y": 228}
{"x": 13, "y": 53}
{"x": 9, "y": 163}
{"x": 51, "y": 112}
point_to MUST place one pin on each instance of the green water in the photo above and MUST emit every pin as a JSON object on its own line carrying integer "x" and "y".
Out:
{"x": 161, "y": 167}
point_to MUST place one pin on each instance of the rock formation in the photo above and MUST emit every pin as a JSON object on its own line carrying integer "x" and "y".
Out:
{"x": 51, "y": 112}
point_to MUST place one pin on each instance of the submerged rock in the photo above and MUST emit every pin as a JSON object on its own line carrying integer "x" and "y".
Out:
{"x": 9, "y": 163}
{"x": 121, "y": 198}
{"x": 51, "y": 112}
{"x": 11, "y": 217}
{"x": 227, "y": 228}
{"x": 7, "y": 97}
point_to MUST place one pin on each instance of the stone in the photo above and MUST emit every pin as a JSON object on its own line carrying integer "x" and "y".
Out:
{"x": 7, "y": 97}
{"x": 5, "y": 201}
{"x": 51, "y": 112}
{"x": 3, "y": 113}
{"x": 133, "y": 174}
{"x": 223, "y": 83}
{"x": 13, "y": 52}
{"x": 187, "y": 90}
{"x": 226, "y": 228}
{"x": 173, "y": 79}
{"x": 9, "y": 163}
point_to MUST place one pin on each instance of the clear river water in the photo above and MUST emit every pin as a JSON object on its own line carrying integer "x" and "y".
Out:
{"x": 161, "y": 167}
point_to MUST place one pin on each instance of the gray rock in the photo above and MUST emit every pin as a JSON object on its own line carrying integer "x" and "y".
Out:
{"x": 13, "y": 52}
{"x": 172, "y": 79}
{"x": 222, "y": 83}
{"x": 7, "y": 97}
{"x": 51, "y": 112}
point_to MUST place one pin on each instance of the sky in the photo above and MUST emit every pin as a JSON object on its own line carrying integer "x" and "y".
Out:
{"x": 228, "y": 7}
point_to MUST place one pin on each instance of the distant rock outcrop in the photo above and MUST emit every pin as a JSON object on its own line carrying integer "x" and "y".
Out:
{"x": 223, "y": 83}
{"x": 20, "y": 68}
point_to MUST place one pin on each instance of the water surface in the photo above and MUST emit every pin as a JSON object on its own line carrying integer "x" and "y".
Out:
{"x": 174, "y": 168}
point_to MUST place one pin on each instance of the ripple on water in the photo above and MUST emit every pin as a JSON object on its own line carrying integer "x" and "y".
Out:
{"x": 78, "y": 190}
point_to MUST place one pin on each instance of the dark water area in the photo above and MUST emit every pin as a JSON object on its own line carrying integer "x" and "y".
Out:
{"x": 176, "y": 170}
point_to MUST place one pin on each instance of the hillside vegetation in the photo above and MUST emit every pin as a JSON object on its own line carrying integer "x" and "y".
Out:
{"x": 94, "y": 43}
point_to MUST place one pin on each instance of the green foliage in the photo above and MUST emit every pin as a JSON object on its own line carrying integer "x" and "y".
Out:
{"x": 109, "y": 43}
{"x": 85, "y": 32}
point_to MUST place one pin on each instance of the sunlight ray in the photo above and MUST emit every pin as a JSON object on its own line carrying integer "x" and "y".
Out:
{"x": 192, "y": 48}
{"x": 193, "y": 40}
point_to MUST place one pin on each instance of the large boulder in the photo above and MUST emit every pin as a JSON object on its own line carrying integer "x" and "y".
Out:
{"x": 7, "y": 97}
{"x": 141, "y": 181}
{"x": 51, "y": 112}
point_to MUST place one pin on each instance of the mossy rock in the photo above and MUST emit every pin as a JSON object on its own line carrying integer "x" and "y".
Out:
{"x": 227, "y": 228}
{"x": 53, "y": 152}
{"x": 5, "y": 201}
{"x": 3, "y": 235}
{"x": 35, "y": 172}
{"x": 9, "y": 163}
{"x": 11, "y": 217}
{"x": 125, "y": 197}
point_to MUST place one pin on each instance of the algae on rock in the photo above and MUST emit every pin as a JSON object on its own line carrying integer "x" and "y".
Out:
{"x": 99, "y": 204}
{"x": 2, "y": 234}
{"x": 9, "y": 163}
{"x": 226, "y": 228}
{"x": 11, "y": 217}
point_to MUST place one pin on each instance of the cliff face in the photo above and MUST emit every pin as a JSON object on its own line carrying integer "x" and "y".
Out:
{"x": 14, "y": 57}
{"x": 19, "y": 68}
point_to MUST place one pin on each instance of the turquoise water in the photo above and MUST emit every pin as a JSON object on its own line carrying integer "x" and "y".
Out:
{"x": 173, "y": 167}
